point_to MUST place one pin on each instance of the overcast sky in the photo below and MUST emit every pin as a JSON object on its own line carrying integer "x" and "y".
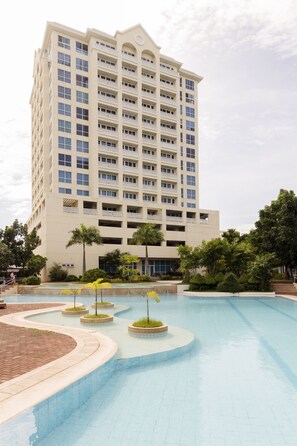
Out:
{"x": 246, "y": 51}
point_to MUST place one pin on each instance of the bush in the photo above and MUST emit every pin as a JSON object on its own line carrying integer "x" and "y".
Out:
{"x": 93, "y": 274}
{"x": 197, "y": 283}
{"x": 230, "y": 284}
{"x": 71, "y": 278}
{"x": 31, "y": 280}
{"x": 57, "y": 273}
{"x": 137, "y": 278}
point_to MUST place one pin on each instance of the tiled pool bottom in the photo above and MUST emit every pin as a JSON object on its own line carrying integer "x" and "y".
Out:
{"x": 237, "y": 386}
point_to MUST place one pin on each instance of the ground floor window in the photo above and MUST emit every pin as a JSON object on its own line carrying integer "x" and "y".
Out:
{"x": 160, "y": 266}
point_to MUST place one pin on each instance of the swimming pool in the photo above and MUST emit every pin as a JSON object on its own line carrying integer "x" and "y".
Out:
{"x": 237, "y": 386}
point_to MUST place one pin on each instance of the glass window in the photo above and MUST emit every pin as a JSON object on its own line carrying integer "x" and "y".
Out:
{"x": 82, "y": 81}
{"x": 82, "y": 146}
{"x": 64, "y": 190}
{"x": 82, "y": 130}
{"x": 82, "y": 113}
{"x": 190, "y": 167}
{"x": 81, "y": 48}
{"x": 64, "y": 42}
{"x": 190, "y": 85}
{"x": 191, "y": 194}
{"x": 190, "y": 139}
{"x": 82, "y": 163}
{"x": 190, "y": 112}
{"x": 64, "y": 126}
{"x": 191, "y": 180}
{"x": 82, "y": 97}
{"x": 190, "y": 153}
{"x": 191, "y": 205}
{"x": 64, "y": 143}
{"x": 84, "y": 193}
{"x": 64, "y": 76}
{"x": 64, "y": 59}
{"x": 64, "y": 92}
{"x": 64, "y": 109}
{"x": 64, "y": 177}
{"x": 64, "y": 160}
{"x": 190, "y": 125}
{"x": 190, "y": 99}
{"x": 82, "y": 179}
{"x": 82, "y": 64}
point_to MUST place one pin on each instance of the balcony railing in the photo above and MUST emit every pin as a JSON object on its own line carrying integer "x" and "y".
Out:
{"x": 70, "y": 210}
{"x": 90, "y": 211}
{"x": 112, "y": 213}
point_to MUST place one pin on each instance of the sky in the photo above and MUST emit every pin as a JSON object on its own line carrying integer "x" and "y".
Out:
{"x": 246, "y": 51}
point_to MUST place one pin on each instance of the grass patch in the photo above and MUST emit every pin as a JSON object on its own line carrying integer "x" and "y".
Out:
{"x": 102, "y": 303}
{"x": 37, "y": 332}
{"x": 96, "y": 316}
{"x": 143, "y": 323}
{"x": 75, "y": 309}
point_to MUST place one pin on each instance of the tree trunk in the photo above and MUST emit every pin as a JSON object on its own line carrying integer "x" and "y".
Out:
{"x": 146, "y": 267}
{"x": 84, "y": 259}
{"x": 96, "y": 302}
{"x": 147, "y": 310}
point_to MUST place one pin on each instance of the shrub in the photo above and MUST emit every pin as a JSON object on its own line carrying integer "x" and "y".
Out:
{"x": 57, "y": 273}
{"x": 230, "y": 284}
{"x": 93, "y": 274}
{"x": 31, "y": 280}
{"x": 197, "y": 283}
{"x": 137, "y": 278}
{"x": 71, "y": 278}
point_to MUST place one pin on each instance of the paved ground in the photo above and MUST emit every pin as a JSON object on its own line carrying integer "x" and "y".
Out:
{"x": 24, "y": 349}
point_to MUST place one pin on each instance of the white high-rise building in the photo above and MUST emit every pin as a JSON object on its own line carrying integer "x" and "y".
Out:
{"x": 114, "y": 145}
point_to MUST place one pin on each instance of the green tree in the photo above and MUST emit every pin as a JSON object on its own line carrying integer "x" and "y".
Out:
{"x": 112, "y": 259}
{"x": 260, "y": 270}
{"x": 6, "y": 257}
{"x": 276, "y": 230}
{"x": 35, "y": 265}
{"x": 57, "y": 273}
{"x": 98, "y": 285}
{"x": 147, "y": 234}
{"x": 84, "y": 236}
{"x": 189, "y": 261}
{"x": 20, "y": 242}
{"x": 231, "y": 235}
{"x": 213, "y": 255}
{"x": 126, "y": 262}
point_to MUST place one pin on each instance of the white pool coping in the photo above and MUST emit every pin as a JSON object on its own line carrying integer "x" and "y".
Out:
{"x": 92, "y": 351}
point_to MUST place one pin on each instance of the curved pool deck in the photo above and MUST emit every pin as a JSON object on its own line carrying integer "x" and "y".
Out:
{"x": 94, "y": 349}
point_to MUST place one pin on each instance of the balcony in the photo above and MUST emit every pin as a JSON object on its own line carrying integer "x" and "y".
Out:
{"x": 105, "y": 49}
{"x": 154, "y": 217}
{"x": 134, "y": 215}
{"x": 129, "y": 57}
{"x": 112, "y": 213}
{"x": 107, "y": 66}
{"x": 169, "y": 146}
{"x": 170, "y": 218}
{"x": 90, "y": 211}
{"x": 191, "y": 220}
{"x": 113, "y": 85}
{"x": 70, "y": 209}
{"x": 107, "y": 99}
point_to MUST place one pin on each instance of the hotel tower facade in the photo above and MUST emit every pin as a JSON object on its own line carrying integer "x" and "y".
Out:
{"x": 114, "y": 145}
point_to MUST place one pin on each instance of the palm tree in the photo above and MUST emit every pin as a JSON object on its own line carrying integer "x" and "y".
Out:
{"x": 86, "y": 237}
{"x": 147, "y": 234}
{"x": 96, "y": 286}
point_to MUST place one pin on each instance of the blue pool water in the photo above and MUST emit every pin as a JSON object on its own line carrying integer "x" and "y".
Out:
{"x": 236, "y": 387}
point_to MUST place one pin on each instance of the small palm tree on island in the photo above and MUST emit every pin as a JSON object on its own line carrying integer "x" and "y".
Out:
{"x": 84, "y": 236}
{"x": 98, "y": 285}
{"x": 147, "y": 234}
{"x": 146, "y": 322}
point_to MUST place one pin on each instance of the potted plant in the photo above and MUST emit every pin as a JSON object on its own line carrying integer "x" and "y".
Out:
{"x": 98, "y": 317}
{"x": 74, "y": 310}
{"x": 147, "y": 325}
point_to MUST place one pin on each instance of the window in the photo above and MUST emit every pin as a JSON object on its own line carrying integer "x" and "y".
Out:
{"x": 82, "y": 64}
{"x": 64, "y": 109}
{"x": 82, "y": 113}
{"x": 104, "y": 159}
{"x": 131, "y": 180}
{"x": 81, "y": 48}
{"x": 191, "y": 180}
{"x": 64, "y": 76}
{"x": 82, "y": 130}
{"x": 82, "y": 179}
{"x": 64, "y": 190}
{"x": 190, "y": 167}
{"x": 190, "y": 125}
{"x": 191, "y": 205}
{"x": 129, "y": 163}
{"x": 82, "y": 97}
{"x": 146, "y": 182}
{"x": 64, "y": 126}
{"x": 147, "y": 197}
{"x": 190, "y": 112}
{"x": 107, "y": 176}
{"x": 64, "y": 92}
{"x": 103, "y": 142}
{"x": 168, "y": 200}
{"x": 191, "y": 194}
{"x": 190, "y": 84}
{"x": 190, "y": 139}
{"x": 82, "y": 146}
{"x": 168, "y": 185}
{"x": 84, "y": 193}
{"x": 64, "y": 160}
{"x": 129, "y": 196}
{"x": 64, "y": 143}
{"x": 82, "y": 163}
{"x": 190, "y": 153}
{"x": 82, "y": 81}
{"x": 107, "y": 193}
{"x": 64, "y": 59}
{"x": 64, "y": 177}
{"x": 64, "y": 42}
{"x": 190, "y": 99}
